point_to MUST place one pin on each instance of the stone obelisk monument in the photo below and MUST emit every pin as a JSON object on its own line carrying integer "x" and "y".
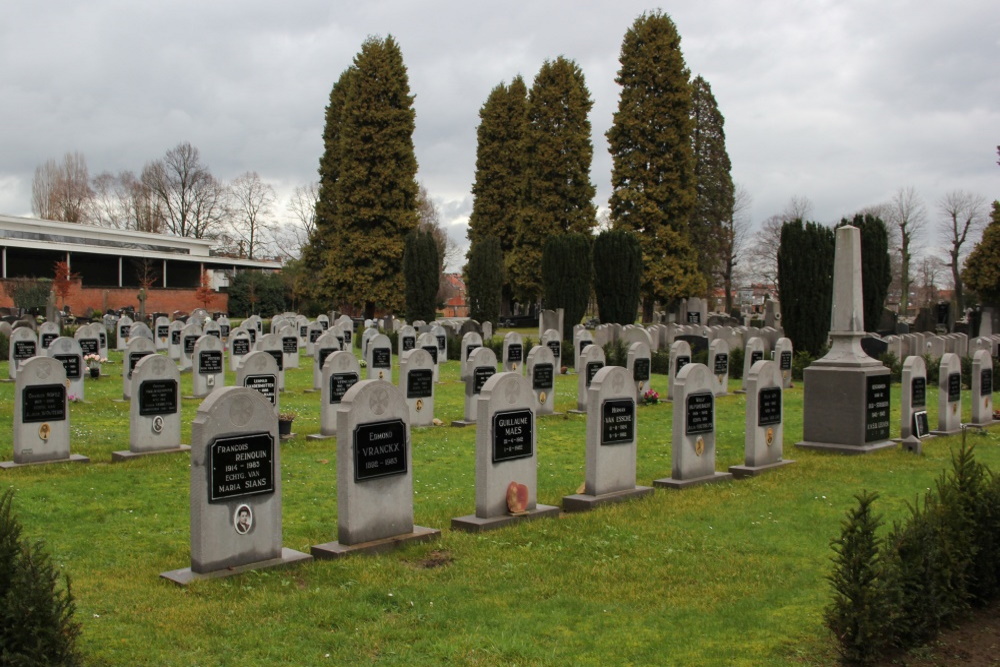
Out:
{"x": 846, "y": 406}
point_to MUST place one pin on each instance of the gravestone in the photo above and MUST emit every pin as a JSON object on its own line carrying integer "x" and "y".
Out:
{"x": 323, "y": 347}
{"x": 487, "y": 330}
{"x": 553, "y": 340}
{"x": 582, "y": 339}
{"x": 224, "y": 327}
{"x": 155, "y": 409}
{"x": 23, "y": 345}
{"x": 847, "y": 403}
{"x": 190, "y": 334}
{"x": 406, "y": 340}
{"x": 239, "y": 345}
{"x": 913, "y": 402}
{"x": 551, "y": 320}
{"x": 175, "y": 344}
{"x": 470, "y": 341}
{"x": 506, "y": 445}
{"x": 271, "y": 343}
{"x": 324, "y": 321}
{"x": 235, "y": 489}
{"x": 211, "y": 328}
{"x": 611, "y": 441}
{"x": 341, "y": 371}
{"x": 764, "y": 441}
{"x": 513, "y": 353}
{"x": 772, "y": 314}
{"x": 982, "y": 389}
{"x": 718, "y": 363}
{"x": 949, "y": 395}
{"x": 426, "y": 341}
{"x": 680, "y": 356}
{"x": 47, "y": 333}
{"x": 482, "y": 364}
{"x": 136, "y": 349}
{"x": 366, "y": 336}
{"x": 67, "y": 351}
{"x": 161, "y": 331}
{"x": 416, "y": 379}
{"x": 41, "y": 414}
{"x": 637, "y": 335}
{"x": 139, "y": 330}
{"x": 90, "y": 343}
{"x": 591, "y": 361}
{"x": 124, "y": 329}
{"x": 379, "y": 358}
{"x": 783, "y": 354}
{"x": 752, "y": 353}
{"x": 639, "y": 366}
{"x": 542, "y": 370}
{"x": 374, "y": 473}
{"x": 259, "y": 371}
{"x": 289, "y": 347}
{"x": 302, "y": 331}
{"x": 314, "y": 332}
{"x": 441, "y": 335}
{"x": 208, "y": 373}
{"x": 693, "y": 442}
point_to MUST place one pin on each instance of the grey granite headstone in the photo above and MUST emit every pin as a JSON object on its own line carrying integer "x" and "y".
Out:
{"x": 208, "y": 372}
{"x": 235, "y": 488}
{"x": 289, "y": 346}
{"x": 591, "y": 360}
{"x": 23, "y": 345}
{"x": 542, "y": 372}
{"x": 124, "y": 329}
{"x": 752, "y": 353}
{"x": 913, "y": 404}
{"x": 718, "y": 364}
{"x": 190, "y": 334}
{"x": 416, "y": 380}
{"x": 379, "y": 358}
{"x": 553, "y": 340}
{"x": 67, "y": 351}
{"x": 764, "y": 441}
{"x": 582, "y": 339}
{"x": 693, "y": 443}
{"x": 161, "y": 333}
{"x": 47, "y": 333}
{"x": 639, "y": 364}
{"x": 239, "y": 345}
{"x": 487, "y": 330}
{"x": 259, "y": 371}
{"x": 949, "y": 395}
{"x": 374, "y": 473}
{"x": 224, "y": 327}
{"x": 41, "y": 415}
{"x": 846, "y": 406}
{"x": 155, "y": 408}
{"x": 784, "y": 355}
{"x": 680, "y": 356}
{"x": 982, "y": 389}
{"x": 482, "y": 364}
{"x": 470, "y": 341}
{"x": 427, "y": 341}
{"x": 326, "y": 344}
{"x": 513, "y": 352}
{"x": 175, "y": 343}
{"x": 611, "y": 441}
{"x": 271, "y": 343}
{"x": 314, "y": 332}
{"x": 136, "y": 349}
{"x": 406, "y": 339}
{"x": 551, "y": 319}
{"x": 506, "y": 453}
{"x": 341, "y": 371}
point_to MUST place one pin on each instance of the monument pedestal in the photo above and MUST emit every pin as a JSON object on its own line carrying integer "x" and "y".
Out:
{"x": 332, "y": 550}
{"x": 846, "y": 409}
{"x": 474, "y": 524}
{"x": 681, "y": 484}
{"x": 186, "y": 575}
{"x": 73, "y": 458}
{"x": 583, "y": 502}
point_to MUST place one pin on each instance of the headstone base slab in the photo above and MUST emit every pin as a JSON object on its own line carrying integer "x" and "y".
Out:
{"x": 744, "y": 471}
{"x": 582, "y": 502}
{"x": 286, "y": 436}
{"x": 73, "y": 458}
{"x": 740, "y": 391}
{"x": 474, "y": 524}
{"x": 837, "y": 448}
{"x": 913, "y": 445}
{"x": 943, "y": 433}
{"x": 320, "y": 436}
{"x": 984, "y": 424}
{"x": 577, "y": 412}
{"x": 125, "y": 455}
{"x": 185, "y": 576}
{"x": 681, "y": 484}
{"x": 332, "y": 550}
{"x": 462, "y": 423}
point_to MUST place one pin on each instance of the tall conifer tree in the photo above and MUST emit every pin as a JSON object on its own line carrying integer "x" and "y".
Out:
{"x": 559, "y": 191}
{"x": 567, "y": 276}
{"x": 716, "y": 193}
{"x": 421, "y": 271}
{"x": 499, "y": 188}
{"x": 484, "y": 279}
{"x": 617, "y": 276}
{"x": 653, "y": 175}
{"x": 805, "y": 283}
{"x": 368, "y": 188}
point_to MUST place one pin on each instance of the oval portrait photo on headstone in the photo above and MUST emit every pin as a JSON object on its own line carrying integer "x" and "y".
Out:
{"x": 243, "y": 519}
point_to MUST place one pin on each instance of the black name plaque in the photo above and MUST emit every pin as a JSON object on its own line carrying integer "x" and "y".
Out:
{"x": 617, "y": 421}
{"x": 241, "y": 465}
{"x": 513, "y": 433}
{"x": 379, "y": 450}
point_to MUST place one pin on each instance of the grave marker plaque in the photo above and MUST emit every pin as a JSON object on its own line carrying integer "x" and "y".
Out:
{"x": 700, "y": 416}
{"x": 769, "y": 406}
{"x": 40, "y": 414}
{"x": 617, "y": 421}
{"x": 157, "y": 397}
{"x": 513, "y": 435}
{"x": 43, "y": 403}
{"x": 240, "y": 466}
{"x": 379, "y": 450}
{"x": 877, "y": 409}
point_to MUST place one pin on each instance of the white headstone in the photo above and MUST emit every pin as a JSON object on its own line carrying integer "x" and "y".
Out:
{"x": 341, "y": 371}
{"x": 982, "y": 388}
{"x": 913, "y": 402}
{"x": 639, "y": 365}
{"x": 208, "y": 372}
{"x": 783, "y": 354}
{"x": 470, "y": 341}
{"x": 427, "y": 341}
{"x": 513, "y": 352}
{"x": 542, "y": 371}
{"x": 239, "y": 345}
{"x": 379, "y": 358}
{"x": 764, "y": 439}
{"x": 553, "y": 340}
{"x": 680, "y": 356}
{"x": 23, "y": 345}
{"x": 155, "y": 409}
{"x": 718, "y": 363}
{"x": 591, "y": 360}
{"x": 271, "y": 343}
{"x": 136, "y": 349}
{"x": 482, "y": 364}
{"x": 416, "y": 379}
{"x": 949, "y": 395}
{"x": 189, "y": 337}
{"x": 259, "y": 371}
{"x": 67, "y": 351}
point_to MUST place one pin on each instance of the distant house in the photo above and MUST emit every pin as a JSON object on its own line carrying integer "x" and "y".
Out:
{"x": 455, "y": 302}
{"x": 113, "y": 264}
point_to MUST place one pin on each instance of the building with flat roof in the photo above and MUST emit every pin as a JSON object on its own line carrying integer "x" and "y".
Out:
{"x": 111, "y": 265}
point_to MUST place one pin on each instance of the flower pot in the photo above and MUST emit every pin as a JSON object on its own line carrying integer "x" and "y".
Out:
{"x": 284, "y": 427}
{"x": 95, "y": 373}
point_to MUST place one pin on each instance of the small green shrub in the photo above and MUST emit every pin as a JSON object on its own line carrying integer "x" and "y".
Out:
{"x": 736, "y": 357}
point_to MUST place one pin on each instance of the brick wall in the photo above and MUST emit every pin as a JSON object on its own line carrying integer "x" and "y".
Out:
{"x": 157, "y": 299}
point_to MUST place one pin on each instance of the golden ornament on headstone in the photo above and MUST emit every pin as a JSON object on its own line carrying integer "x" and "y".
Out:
{"x": 769, "y": 436}
{"x": 699, "y": 446}
{"x": 541, "y": 397}
{"x": 43, "y": 431}
{"x": 420, "y": 404}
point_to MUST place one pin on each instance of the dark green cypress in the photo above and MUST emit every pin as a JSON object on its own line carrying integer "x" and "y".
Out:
{"x": 421, "y": 272}
{"x": 566, "y": 277}
{"x": 617, "y": 276}
{"x": 484, "y": 276}
{"x": 805, "y": 283}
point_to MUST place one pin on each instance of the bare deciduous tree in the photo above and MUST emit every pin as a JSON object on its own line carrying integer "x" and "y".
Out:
{"x": 907, "y": 217}
{"x": 964, "y": 216}
{"x": 735, "y": 233}
{"x": 192, "y": 200}
{"x": 252, "y": 200}
{"x": 290, "y": 238}
{"x": 61, "y": 191}
{"x": 763, "y": 253}
{"x": 430, "y": 221}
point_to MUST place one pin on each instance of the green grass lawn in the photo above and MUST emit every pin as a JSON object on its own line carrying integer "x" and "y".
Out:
{"x": 727, "y": 574}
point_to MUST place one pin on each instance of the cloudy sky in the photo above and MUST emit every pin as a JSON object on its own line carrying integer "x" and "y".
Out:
{"x": 842, "y": 103}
